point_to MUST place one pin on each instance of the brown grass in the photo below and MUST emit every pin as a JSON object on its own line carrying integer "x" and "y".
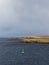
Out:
{"x": 33, "y": 37}
{"x": 36, "y": 39}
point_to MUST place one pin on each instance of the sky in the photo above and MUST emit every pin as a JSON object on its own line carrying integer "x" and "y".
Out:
{"x": 24, "y": 17}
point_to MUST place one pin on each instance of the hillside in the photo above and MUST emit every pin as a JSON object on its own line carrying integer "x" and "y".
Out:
{"x": 35, "y": 39}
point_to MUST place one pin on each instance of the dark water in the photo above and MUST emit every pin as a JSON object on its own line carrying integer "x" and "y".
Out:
{"x": 34, "y": 54}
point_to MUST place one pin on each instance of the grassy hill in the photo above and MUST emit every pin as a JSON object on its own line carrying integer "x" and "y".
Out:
{"x": 35, "y": 39}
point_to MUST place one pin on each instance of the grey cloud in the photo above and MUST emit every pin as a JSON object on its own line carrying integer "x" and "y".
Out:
{"x": 19, "y": 17}
{"x": 11, "y": 13}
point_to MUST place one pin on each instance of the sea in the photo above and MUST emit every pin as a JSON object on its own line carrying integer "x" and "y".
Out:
{"x": 17, "y": 53}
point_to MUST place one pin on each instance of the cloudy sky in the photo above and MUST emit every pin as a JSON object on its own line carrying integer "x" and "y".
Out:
{"x": 24, "y": 17}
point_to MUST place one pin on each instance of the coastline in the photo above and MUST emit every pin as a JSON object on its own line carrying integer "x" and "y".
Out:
{"x": 35, "y": 39}
{"x": 27, "y": 39}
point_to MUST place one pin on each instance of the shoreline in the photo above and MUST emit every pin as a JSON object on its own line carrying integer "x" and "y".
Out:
{"x": 35, "y": 39}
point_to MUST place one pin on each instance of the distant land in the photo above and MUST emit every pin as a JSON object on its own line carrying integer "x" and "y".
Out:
{"x": 35, "y": 39}
{"x": 27, "y": 39}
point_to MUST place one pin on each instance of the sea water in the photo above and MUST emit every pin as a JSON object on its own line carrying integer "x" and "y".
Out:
{"x": 13, "y": 53}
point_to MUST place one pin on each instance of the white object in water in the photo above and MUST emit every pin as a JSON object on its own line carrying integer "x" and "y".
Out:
{"x": 22, "y": 51}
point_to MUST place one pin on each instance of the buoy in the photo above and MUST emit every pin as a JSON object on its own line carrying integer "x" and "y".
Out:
{"x": 22, "y": 51}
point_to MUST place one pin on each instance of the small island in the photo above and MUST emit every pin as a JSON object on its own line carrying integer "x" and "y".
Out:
{"x": 35, "y": 39}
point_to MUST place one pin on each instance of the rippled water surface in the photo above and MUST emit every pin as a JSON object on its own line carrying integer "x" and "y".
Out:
{"x": 33, "y": 54}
